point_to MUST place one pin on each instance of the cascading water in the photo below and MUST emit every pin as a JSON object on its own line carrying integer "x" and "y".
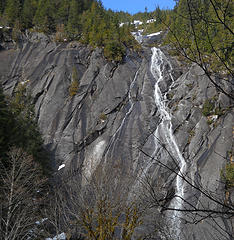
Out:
{"x": 118, "y": 131}
{"x": 164, "y": 134}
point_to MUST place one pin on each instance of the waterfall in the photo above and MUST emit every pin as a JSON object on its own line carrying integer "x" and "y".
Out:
{"x": 164, "y": 133}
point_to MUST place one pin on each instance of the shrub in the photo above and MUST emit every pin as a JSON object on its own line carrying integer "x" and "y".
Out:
{"x": 75, "y": 83}
{"x": 114, "y": 51}
{"x": 103, "y": 117}
{"x": 60, "y": 34}
{"x": 228, "y": 175}
{"x": 191, "y": 135}
{"x": 218, "y": 111}
{"x": 208, "y": 107}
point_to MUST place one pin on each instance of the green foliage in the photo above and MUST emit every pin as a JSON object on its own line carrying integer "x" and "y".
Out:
{"x": 18, "y": 127}
{"x": 127, "y": 39}
{"x": 7, "y": 124}
{"x": 228, "y": 175}
{"x": 12, "y": 11}
{"x": 103, "y": 117}
{"x": 191, "y": 135}
{"x": 73, "y": 25}
{"x": 2, "y": 6}
{"x": 27, "y": 135}
{"x": 201, "y": 31}
{"x": 75, "y": 83}
{"x": 62, "y": 13}
{"x": 60, "y": 34}
{"x": 44, "y": 16}
{"x": 218, "y": 111}
{"x": 16, "y": 33}
{"x": 101, "y": 29}
{"x": 114, "y": 51}
{"x": 122, "y": 16}
{"x": 84, "y": 20}
{"x": 162, "y": 19}
{"x": 208, "y": 107}
{"x": 28, "y": 13}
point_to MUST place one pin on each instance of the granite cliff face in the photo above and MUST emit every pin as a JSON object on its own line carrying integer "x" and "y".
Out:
{"x": 112, "y": 123}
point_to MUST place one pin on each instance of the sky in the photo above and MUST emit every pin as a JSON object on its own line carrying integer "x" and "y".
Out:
{"x": 134, "y": 6}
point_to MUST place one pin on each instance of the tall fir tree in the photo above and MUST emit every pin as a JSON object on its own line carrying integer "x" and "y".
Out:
{"x": 73, "y": 25}
{"x": 2, "y": 6}
{"x": 6, "y": 125}
{"x": 28, "y": 13}
{"x": 45, "y": 16}
{"x": 13, "y": 11}
{"x": 62, "y": 12}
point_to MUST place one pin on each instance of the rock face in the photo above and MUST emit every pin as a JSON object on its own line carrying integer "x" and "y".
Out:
{"x": 110, "y": 123}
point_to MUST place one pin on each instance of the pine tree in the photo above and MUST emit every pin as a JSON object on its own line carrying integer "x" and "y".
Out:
{"x": 73, "y": 26}
{"x": 44, "y": 16}
{"x": 13, "y": 11}
{"x": 26, "y": 133}
{"x": 28, "y": 13}
{"x": 6, "y": 125}
{"x": 87, "y": 4}
{"x": 62, "y": 12}
{"x": 2, "y": 6}
{"x": 75, "y": 82}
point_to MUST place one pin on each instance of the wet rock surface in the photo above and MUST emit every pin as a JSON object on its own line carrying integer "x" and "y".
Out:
{"x": 113, "y": 116}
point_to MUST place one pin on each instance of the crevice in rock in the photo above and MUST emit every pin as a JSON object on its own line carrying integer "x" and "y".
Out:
{"x": 35, "y": 99}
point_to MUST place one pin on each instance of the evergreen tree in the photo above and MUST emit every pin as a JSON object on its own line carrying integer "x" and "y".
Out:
{"x": 12, "y": 11}
{"x": 87, "y": 4}
{"x": 26, "y": 133}
{"x": 29, "y": 10}
{"x": 73, "y": 25}
{"x": 44, "y": 17}
{"x": 202, "y": 32}
{"x": 2, "y": 6}
{"x": 62, "y": 12}
{"x": 6, "y": 125}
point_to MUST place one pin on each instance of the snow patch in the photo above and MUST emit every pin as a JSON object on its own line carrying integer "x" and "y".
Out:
{"x": 24, "y": 82}
{"x": 41, "y": 221}
{"x": 138, "y": 35}
{"x": 61, "y": 166}
{"x": 154, "y": 34}
{"x": 137, "y": 22}
{"x": 61, "y": 236}
{"x": 151, "y": 20}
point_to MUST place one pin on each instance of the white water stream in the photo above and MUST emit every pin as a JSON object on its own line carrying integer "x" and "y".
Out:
{"x": 164, "y": 134}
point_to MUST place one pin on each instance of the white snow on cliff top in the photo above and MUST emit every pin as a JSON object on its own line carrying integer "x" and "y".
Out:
{"x": 139, "y": 37}
{"x": 151, "y": 20}
{"x": 154, "y": 34}
{"x": 138, "y": 22}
